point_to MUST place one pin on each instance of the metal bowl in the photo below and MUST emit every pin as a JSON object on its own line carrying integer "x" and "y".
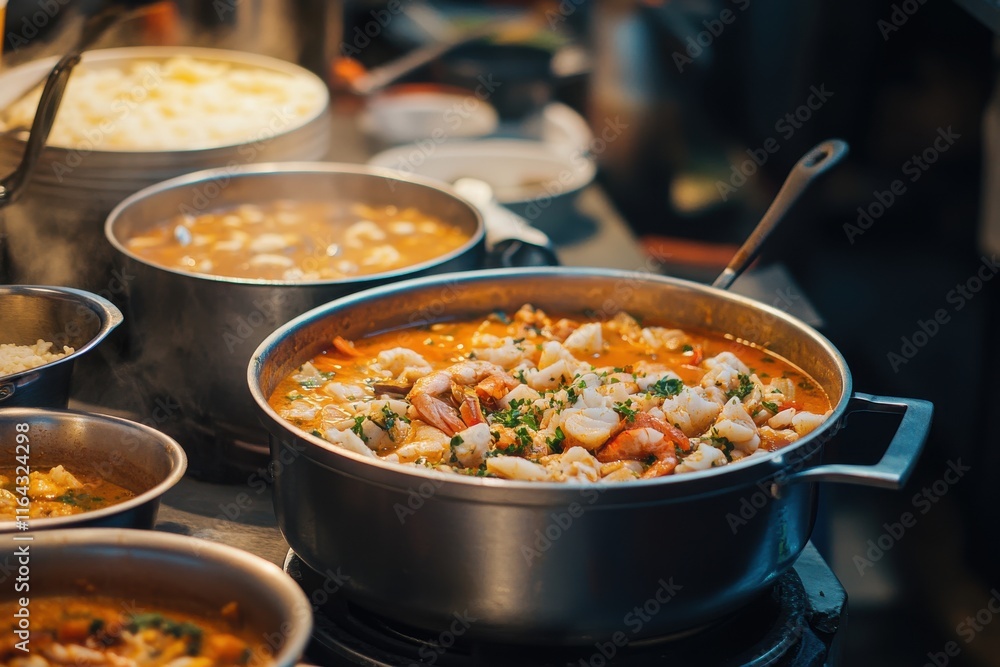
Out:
{"x": 125, "y": 453}
{"x": 59, "y": 315}
{"x": 552, "y": 563}
{"x": 192, "y": 334}
{"x": 148, "y": 570}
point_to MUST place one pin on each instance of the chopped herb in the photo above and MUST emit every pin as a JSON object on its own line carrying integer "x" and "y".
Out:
{"x": 741, "y": 392}
{"x": 471, "y": 355}
{"x": 518, "y": 340}
{"x": 724, "y": 444}
{"x": 317, "y": 433}
{"x": 358, "y": 431}
{"x": 294, "y": 396}
{"x": 555, "y": 443}
{"x": 456, "y": 440}
{"x": 650, "y": 460}
{"x": 666, "y": 387}
{"x": 773, "y": 407}
{"x": 687, "y": 348}
{"x": 500, "y": 316}
{"x": 96, "y": 626}
{"x": 626, "y": 410}
{"x": 428, "y": 341}
{"x": 519, "y": 413}
{"x": 539, "y": 346}
{"x": 520, "y": 376}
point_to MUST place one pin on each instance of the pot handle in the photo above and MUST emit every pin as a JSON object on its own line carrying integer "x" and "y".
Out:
{"x": 892, "y": 471}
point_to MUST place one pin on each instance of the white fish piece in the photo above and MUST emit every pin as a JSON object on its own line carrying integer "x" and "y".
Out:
{"x": 267, "y": 259}
{"x": 349, "y": 440}
{"x": 473, "y": 443}
{"x": 704, "y": 457}
{"x": 589, "y": 428}
{"x": 268, "y": 243}
{"x": 807, "y": 422}
{"x": 659, "y": 337}
{"x": 587, "y": 339}
{"x": 521, "y": 392}
{"x": 345, "y": 392}
{"x": 514, "y": 467}
{"x": 549, "y": 377}
{"x": 690, "y": 411}
{"x": 736, "y": 425}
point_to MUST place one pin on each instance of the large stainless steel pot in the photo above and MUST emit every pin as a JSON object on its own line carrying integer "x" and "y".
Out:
{"x": 192, "y": 335}
{"x": 149, "y": 570}
{"x": 546, "y": 562}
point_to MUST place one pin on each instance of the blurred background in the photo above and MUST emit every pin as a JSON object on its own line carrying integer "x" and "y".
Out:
{"x": 698, "y": 109}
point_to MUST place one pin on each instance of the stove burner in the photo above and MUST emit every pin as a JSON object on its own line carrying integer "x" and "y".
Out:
{"x": 793, "y": 624}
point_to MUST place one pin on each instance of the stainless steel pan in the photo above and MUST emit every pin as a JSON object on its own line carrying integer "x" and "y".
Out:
{"x": 547, "y": 562}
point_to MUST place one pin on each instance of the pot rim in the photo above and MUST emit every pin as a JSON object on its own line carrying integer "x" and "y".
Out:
{"x": 167, "y": 545}
{"x": 174, "y": 452}
{"x": 263, "y": 169}
{"x": 108, "y": 313}
{"x": 400, "y": 476}
{"x": 230, "y": 56}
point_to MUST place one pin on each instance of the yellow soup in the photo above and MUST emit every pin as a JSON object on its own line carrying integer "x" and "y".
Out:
{"x": 298, "y": 241}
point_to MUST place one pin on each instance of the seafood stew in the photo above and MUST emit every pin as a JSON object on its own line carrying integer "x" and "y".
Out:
{"x": 56, "y": 492}
{"x": 527, "y": 396}
{"x": 298, "y": 240}
{"x": 96, "y": 630}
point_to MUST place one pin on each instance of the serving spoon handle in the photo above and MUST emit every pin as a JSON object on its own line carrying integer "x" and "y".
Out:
{"x": 817, "y": 161}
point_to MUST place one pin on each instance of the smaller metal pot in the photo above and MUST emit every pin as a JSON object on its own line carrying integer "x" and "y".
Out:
{"x": 192, "y": 335}
{"x": 61, "y": 315}
{"x": 125, "y": 453}
{"x": 149, "y": 571}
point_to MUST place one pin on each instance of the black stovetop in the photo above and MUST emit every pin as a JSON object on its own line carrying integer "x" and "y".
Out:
{"x": 796, "y": 623}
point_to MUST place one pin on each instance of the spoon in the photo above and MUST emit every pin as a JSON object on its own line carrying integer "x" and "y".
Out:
{"x": 817, "y": 161}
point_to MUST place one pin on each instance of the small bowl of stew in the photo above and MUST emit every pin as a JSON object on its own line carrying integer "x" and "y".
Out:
{"x": 70, "y": 469}
{"x": 216, "y": 260}
{"x": 147, "y": 598}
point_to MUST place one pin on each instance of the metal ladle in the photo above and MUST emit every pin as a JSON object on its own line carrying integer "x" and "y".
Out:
{"x": 817, "y": 161}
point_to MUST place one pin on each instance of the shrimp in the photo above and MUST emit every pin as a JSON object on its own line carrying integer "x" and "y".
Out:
{"x": 644, "y": 437}
{"x": 483, "y": 380}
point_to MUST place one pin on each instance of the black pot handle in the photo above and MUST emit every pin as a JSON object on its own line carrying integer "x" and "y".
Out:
{"x": 12, "y": 186}
{"x": 895, "y": 466}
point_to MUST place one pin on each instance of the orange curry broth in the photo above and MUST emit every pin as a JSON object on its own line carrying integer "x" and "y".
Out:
{"x": 446, "y": 343}
{"x": 99, "y": 621}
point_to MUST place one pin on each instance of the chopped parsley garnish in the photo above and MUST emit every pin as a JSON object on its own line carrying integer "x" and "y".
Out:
{"x": 666, "y": 387}
{"x": 626, "y": 410}
{"x": 500, "y": 316}
{"x": 555, "y": 443}
{"x": 317, "y": 433}
{"x": 773, "y": 407}
{"x": 519, "y": 413}
{"x": 389, "y": 419}
{"x": 724, "y": 444}
{"x": 294, "y": 396}
{"x": 687, "y": 348}
{"x": 358, "y": 430}
{"x": 741, "y": 392}
{"x": 456, "y": 440}
{"x": 520, "y": 376}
